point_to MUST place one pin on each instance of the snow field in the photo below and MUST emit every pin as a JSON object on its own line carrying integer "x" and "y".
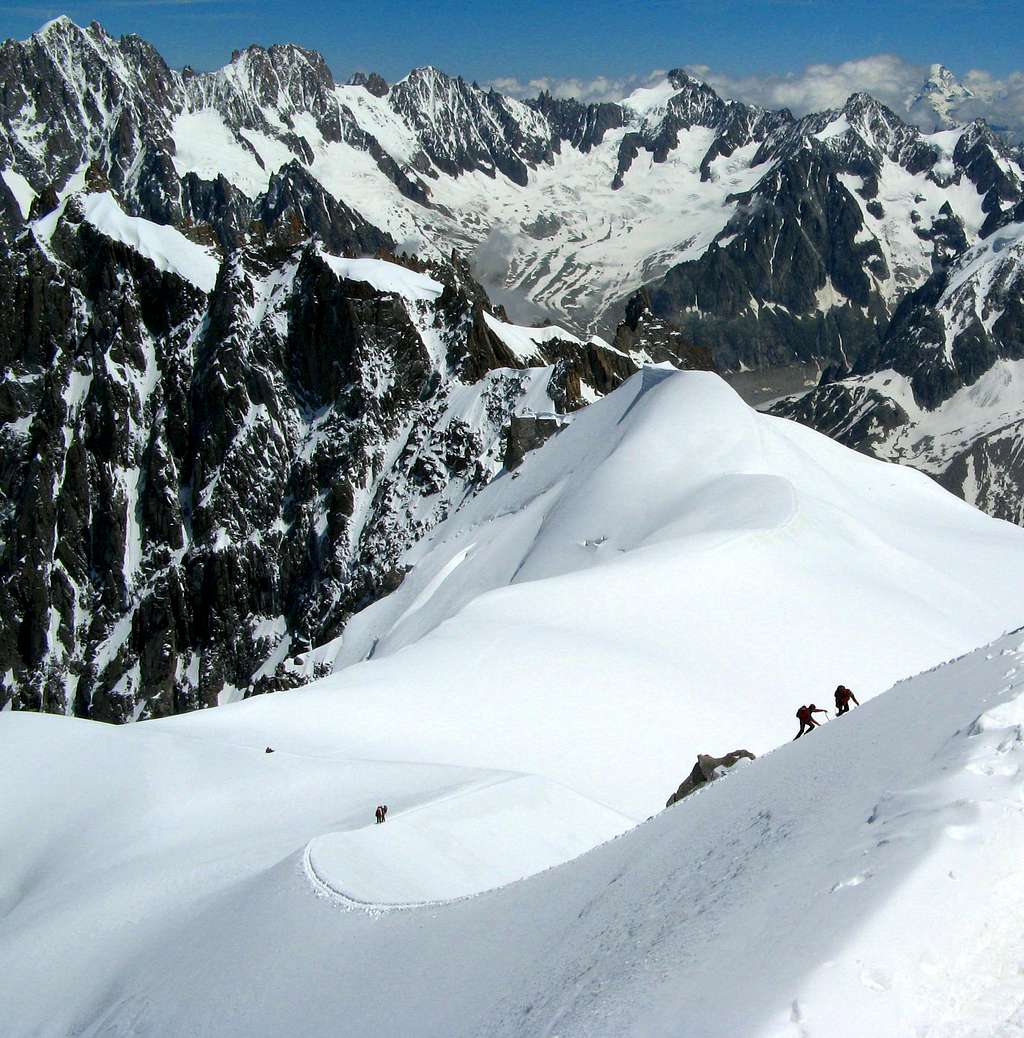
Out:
{"x": 477, "y": 839}
{"x": 807, "y": 894}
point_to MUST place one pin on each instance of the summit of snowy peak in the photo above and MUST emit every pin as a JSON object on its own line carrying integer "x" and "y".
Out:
{"x": 648, "y": 98}
{"x": 862, "y": 103}
{"x": 695, "y": 96}
{"x": 283, "y": 61}
{"x": 680, "y": 78}
{"x": 942, "y": 86}
{"x": 60, "y": 25}
{"x": 463, "y": 128}
{"x": 427, "y": 74}
{"x": 864, "y": 130}
{"x": 934, "y": 105}
{"x": 941, "y": 78}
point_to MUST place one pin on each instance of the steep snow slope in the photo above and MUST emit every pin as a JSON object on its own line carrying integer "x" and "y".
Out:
{"x": 673, "y": 566}
{"x": 807, "y": 894}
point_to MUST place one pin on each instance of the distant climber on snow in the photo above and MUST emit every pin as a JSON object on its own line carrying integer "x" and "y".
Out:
{"x": 805, "y": 715}
{"x": 843, "y": 697}
{"x": 380, "y": 814}
{"x": 384, "y": 812}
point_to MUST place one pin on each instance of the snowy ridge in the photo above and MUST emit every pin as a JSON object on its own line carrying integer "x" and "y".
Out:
{"x": 166, "y": 247}
{"x": 521, "y": 618}
{"x": 525, "y": 342}
{"x": 385, "y": 277}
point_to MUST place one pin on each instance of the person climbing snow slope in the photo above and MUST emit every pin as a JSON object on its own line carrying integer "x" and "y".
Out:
{"x": 843, "y": 697}
{"x": 805, "y": 715}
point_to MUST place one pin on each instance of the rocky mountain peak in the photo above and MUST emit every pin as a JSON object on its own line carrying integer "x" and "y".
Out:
{"x": 373, "y": 82}
{"x": 936, "y": 102}
{"x": 284, "y": 77}
{"x": 463, "y": 128}
{"x": 59, "y": 28}
{"x": 680, "y": 78}
{"x": 941, "y": 79}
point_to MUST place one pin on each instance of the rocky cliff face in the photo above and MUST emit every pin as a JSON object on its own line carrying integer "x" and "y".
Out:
{"x": 943, "y": 390}
{"x": 213, "y": 459}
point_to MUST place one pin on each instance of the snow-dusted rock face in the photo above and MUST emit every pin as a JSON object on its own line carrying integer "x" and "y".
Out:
{"x": 211, "y": 460}
{"x": 943, "y": 391}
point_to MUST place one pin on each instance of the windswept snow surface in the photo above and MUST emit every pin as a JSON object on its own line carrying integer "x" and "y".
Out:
{"x": 865, "y": 880}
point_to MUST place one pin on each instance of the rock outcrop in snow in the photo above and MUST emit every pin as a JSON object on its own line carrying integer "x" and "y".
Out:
{"x": 706, "y": 770}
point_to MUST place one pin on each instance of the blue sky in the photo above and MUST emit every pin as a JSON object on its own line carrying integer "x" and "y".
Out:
{"x": 526, "y": 39}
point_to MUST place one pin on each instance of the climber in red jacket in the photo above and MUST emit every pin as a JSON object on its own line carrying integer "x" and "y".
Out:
{"x": 805, "y": 715}
{"x": 843, "y": 697}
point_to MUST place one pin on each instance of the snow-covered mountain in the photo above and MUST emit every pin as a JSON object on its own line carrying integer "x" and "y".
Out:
{"x": 936, "y": 105}
{"x": 783, "y": 238}
{"x": 671, "y": 573}
{"x": 223, "y": 418}
{"x": 943, "y": 392}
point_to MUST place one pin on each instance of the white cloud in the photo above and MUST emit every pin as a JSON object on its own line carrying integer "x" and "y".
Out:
{"x": 886, "y": 77}
{"x": 600, "y": 88}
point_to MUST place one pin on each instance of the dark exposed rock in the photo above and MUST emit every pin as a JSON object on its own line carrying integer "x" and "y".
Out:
{"x": 643, "y": 333}
{"x": 526, "y": 433}
{"x": 296, "y": 206}
{"x": 706, "y": 770}
{"x": 583, "y": 125}
{"x": 463, "y": 128}
{"x": 374, "y": 83}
